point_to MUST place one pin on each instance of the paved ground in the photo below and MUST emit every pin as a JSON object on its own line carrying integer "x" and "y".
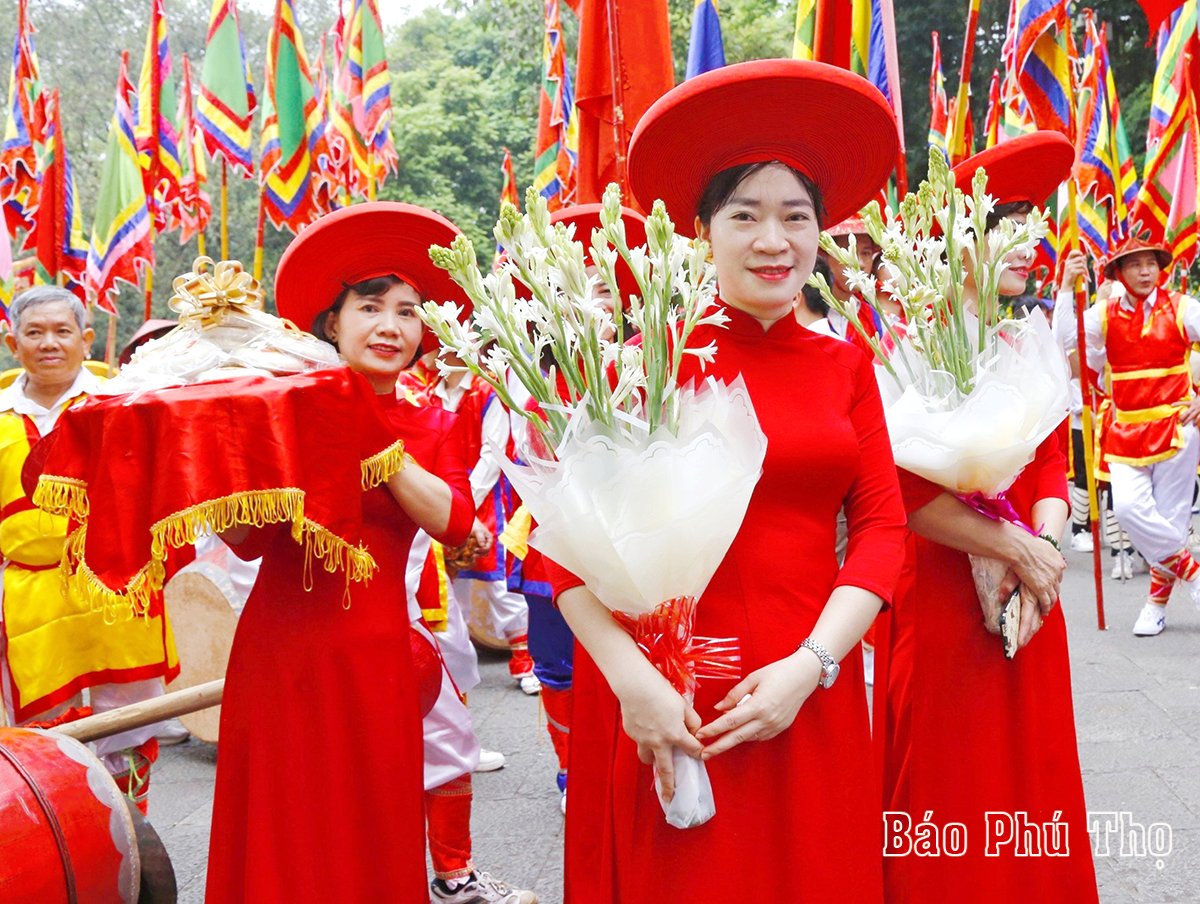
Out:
{"x": 1137, "y": 711}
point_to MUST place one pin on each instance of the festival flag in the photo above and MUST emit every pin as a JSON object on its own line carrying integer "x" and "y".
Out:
{"x": 960, "y": 139}
{"x": 995, "y": 112}
{"x": 225, "y": 106}
{"x": 195, "y": 207}
{"x": 294, "y": 190}
{"x": 964, "y": 143}
{"x": 609, "y": 102}
{"x": 508, "y": 192}
{"x": 556, "y": 152}
{"x": 370, "y": 84}
{"x": 1044, "y": 54}
{"x": 6, "y": 274}
{"x": 805, "y": 39}
{"x": 706, "y": 49}
{"x": 24, "y": 129}
{"x": 1158, "y": 11}
{"x": 873, "y": 53}
{"x": 1166, "y": 206}
{"x": 61, "y": 251}
{"x": 1104, "y": 170}
{"x": 157, "y": 135}
{"x": 121, "y": 247}
{"x": 939, "y": 111}
{"x": 351, "y": 155}
{"x": 1017, "y": 120}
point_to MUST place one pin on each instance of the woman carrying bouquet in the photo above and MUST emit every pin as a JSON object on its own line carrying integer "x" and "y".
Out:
{"x": 787, "y": 748}
{"x": 319, "y": 793}
{"x": 970, "y": 737}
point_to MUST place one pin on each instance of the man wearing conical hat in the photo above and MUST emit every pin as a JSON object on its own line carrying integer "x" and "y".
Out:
{"x": 1138, "y": 343}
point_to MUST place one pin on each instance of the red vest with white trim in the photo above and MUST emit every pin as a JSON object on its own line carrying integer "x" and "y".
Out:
{"x": 1148, "y": 378}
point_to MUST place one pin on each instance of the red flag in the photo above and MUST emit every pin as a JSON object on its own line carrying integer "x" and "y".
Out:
{"x": 641, "y": 52}
{"x": 509, "y": 191}
{"x": 1157, "y": 11}
{"x": 833, "y": 32}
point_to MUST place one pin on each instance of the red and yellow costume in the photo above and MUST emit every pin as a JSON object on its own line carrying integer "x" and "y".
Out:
{"x": 55, "y": 643}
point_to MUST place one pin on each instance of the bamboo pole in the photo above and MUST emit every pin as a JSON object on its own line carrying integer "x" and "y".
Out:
{"x": 224, "y": 210}
{"x": 110, "y": 345}
{"x": 147, "y": 712}
{"x": 259, "y": 233}
{"x": 1085, "y": 387}
{"x": 200, "y": 247}
{"x": 371, "y": 189}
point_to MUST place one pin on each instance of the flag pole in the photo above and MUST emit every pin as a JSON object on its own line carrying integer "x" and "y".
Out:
{"x": 959, "y": 134}
{"x": 149, "y": 305}
{"x": 371, "y": 171}
{"x": 224, "y": 209}
{"x": 259, "y": 235}
{"x": 618, "y": 88}
{"x": 1086, "y": 390}
{"x": 110, "y": 345}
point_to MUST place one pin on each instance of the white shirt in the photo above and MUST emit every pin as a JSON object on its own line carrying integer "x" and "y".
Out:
{"x": 494, "y": 436}
{"x": 14, "y": 399}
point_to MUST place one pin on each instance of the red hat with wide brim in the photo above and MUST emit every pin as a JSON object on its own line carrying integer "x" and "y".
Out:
{"x": 1027, "y": 168}
{"x": 586, "y": 218}
{"x": 828, "y": 123}
{"x": 361, "y": 242}
{"x": 1132, "y": 245}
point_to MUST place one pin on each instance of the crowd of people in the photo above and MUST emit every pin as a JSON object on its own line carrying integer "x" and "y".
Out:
{"x": 847, "y": 580}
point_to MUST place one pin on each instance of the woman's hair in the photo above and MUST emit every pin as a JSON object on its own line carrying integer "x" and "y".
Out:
{"x": 722, "y": 186}
{"x": 376, "y": 286}
{"x": 812, "y": 296}
{"x": 1007, "y": 210}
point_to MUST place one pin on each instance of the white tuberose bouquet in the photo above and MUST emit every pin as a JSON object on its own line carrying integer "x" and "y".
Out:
{"x": 968, "y": 393}
{"x": 646, "y": 482}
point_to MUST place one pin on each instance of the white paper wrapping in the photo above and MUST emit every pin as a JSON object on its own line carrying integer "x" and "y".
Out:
{"x": 645, "y": 519}
{"x": 980, "y": 443}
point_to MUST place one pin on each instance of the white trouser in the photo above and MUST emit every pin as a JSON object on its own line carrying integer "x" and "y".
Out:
{"x": 457, "y": 650}
{"x": 451, "y": 747}
{"x": 1154, "y": 502}
{"x": 508, "y": 609}
{"x": 104, "y": 697}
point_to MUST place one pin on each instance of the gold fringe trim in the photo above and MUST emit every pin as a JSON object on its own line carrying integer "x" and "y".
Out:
{"x": 253, "y": 508}
{"x": 62, "y": 496}
{"x": 382, "y": 465}
{"x": 336, "y": 554}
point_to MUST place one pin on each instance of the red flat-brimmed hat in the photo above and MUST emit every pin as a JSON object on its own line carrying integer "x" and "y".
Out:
{"x": 828, "y": 123}
{"x": 151, "y": 329}
{"x": 361, "y": 242}
{"x": 1027, "y": 168}
{"x": 854, "y": 225}
{"x": 586, "y": 217}
{"x": 1132, "y": 245}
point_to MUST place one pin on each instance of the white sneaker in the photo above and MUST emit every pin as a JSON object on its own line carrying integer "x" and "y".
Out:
{"x": 1150, "y": 621}
{"x": 1081, "y": 541}
{"x": 529, "y": 684}
{"x": 1122, "y": 569}
{"x": 869, "y": 666}
{"x": 562, "y": 804}
{"x": 479, "y": 888}
{"x": 490, "y": 760}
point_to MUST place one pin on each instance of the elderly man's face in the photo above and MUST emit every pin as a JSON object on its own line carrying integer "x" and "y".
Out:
{"x": 49, "y": 344}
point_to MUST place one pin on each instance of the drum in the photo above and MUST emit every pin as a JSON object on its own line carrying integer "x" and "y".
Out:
{"x": 204, "y": 622}
{"x": 478, "y": 609}
{"x": 65, "y": 831}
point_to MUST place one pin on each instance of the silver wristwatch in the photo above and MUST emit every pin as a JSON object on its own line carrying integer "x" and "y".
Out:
{"x": 829, "y": 668}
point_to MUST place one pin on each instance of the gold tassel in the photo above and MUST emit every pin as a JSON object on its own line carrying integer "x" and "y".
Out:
{"x": 254, "y": 508}
{"x": 62, "y": 496}
{"x": 382, "y": 465}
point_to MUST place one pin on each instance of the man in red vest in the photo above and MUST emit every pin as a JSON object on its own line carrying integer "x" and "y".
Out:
{"x": 1138, "y": 343}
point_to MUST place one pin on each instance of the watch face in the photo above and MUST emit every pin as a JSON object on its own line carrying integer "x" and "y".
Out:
{"x": 830, "y": 675}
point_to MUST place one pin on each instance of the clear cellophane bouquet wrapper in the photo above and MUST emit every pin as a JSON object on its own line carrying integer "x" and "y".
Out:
{"x": 969, "y": 395}
{"x": 223, "y": 333}
{"x": 638, "y": 484}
